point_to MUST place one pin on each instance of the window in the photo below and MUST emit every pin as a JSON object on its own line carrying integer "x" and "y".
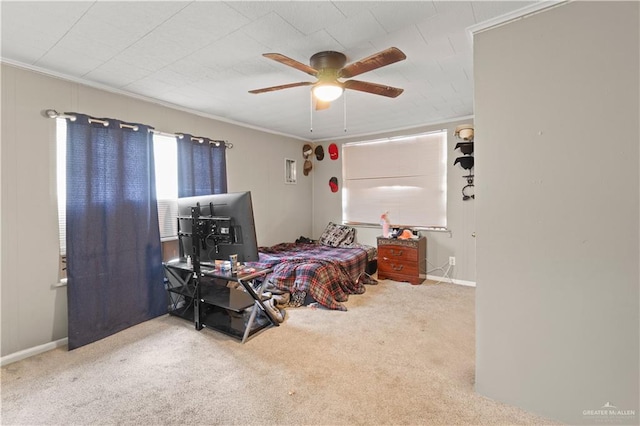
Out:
{"x": 165, "y": 152}
{"x": 405, "y": 176}
{"x": 61, "y": 175}
{"x": 166, "y": 164}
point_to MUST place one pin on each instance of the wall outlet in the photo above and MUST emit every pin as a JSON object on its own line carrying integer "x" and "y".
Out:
{"x": 452, "y": 261}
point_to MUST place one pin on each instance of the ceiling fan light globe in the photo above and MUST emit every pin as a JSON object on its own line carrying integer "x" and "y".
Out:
{"x": 327, "y": 92}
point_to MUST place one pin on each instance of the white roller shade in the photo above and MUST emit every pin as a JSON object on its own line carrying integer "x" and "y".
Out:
{"x": 405, "y": 177}
{"x": 165, "y": 150}
{"x": 61, "y": 174}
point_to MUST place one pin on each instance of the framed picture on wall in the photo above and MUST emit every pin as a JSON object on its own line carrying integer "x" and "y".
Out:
{"x": 289, "y": 171}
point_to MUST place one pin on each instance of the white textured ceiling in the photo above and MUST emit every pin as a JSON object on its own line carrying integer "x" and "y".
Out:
{"x": 206, "y": 55}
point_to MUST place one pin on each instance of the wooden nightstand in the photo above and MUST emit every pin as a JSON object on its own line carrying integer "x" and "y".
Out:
{"x": 402, "y": 260}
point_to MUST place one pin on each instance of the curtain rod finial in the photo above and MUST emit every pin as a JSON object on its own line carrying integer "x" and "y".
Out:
{"x": 52, "y": 113}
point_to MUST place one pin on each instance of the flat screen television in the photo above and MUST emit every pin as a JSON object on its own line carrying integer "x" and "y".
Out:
{"x": 224, "y": 225}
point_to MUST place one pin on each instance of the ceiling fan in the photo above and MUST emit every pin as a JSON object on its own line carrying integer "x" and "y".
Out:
{"x": 329, "y": 67}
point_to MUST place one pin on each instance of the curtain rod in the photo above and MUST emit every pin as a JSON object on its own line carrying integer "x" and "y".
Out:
{"x": 52, "y": 113}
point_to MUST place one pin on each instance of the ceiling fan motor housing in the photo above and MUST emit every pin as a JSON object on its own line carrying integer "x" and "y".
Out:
{"x": 328, "y": 60}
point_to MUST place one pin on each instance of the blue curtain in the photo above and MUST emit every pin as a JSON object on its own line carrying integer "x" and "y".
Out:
{"x": 114, "y": 260}
{"x": 202, "y": 166}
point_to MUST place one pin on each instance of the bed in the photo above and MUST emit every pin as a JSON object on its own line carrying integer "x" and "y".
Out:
{"x": 326, "y": 271}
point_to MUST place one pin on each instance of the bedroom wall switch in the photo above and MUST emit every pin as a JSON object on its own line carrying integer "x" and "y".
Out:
{"x": 452, "y": 261}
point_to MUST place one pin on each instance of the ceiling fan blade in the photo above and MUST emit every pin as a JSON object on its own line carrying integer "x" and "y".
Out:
{"x": 377, "y": 60}
{"x": 376, "y": 89}
{"x": 283, "y": 86}
{"x": 320, "y": 105}
{"x": 291, "y": 62}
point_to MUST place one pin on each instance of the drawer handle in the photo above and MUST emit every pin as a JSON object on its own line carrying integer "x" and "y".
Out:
{"x": 397, "y": 267}
{"x": 396, "y": 253}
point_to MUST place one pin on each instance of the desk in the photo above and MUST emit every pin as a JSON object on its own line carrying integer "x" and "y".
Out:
{"x": 208, "y": 301}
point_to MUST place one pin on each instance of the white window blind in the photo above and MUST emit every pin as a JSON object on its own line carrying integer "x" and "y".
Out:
{"x": 406, "y": 177}
{"x": 61, "y": 175}
{"x": 165, "y": 152}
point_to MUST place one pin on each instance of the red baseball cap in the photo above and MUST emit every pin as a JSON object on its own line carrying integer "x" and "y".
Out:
{"x": 333, "y": 151}
{"x": 333, "y": 184}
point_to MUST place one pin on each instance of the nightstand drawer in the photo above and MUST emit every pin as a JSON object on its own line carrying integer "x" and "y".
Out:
{"x": 396, "y": 267}
{"x": 397, "y": 253}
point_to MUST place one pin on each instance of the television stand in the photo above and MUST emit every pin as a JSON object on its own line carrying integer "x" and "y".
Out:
{"x": 206, "y": 299}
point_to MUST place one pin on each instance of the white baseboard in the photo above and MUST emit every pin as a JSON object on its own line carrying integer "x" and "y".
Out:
{"x": 451, "y": 280}
{"x": 36, "y": 350}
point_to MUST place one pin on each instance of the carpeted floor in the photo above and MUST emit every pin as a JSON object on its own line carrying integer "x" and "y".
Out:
{"x": 401, "y": 354}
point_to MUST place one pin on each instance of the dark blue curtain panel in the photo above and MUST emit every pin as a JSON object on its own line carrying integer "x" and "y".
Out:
{"x": 114, "y": 260}
{"x": 202, "y": 167}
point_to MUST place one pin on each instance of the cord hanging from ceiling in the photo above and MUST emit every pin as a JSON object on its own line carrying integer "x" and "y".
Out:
{"x": 344, "y": 108}
{"x": 311, "y": 111}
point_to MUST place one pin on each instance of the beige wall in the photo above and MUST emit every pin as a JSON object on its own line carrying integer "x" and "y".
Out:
{"x": 557, "y": 124}
{"x": 33, "y": 311}
{"x": 459, "y": 242}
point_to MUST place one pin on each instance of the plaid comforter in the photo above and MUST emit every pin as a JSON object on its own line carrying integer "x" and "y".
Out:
{"x": 328, "y": 274}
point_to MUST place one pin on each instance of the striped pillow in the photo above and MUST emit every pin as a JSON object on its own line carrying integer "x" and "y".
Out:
{"x": 336, "y": 235}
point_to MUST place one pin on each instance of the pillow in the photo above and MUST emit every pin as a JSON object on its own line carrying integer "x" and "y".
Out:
{"x": 336, "y": 235}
